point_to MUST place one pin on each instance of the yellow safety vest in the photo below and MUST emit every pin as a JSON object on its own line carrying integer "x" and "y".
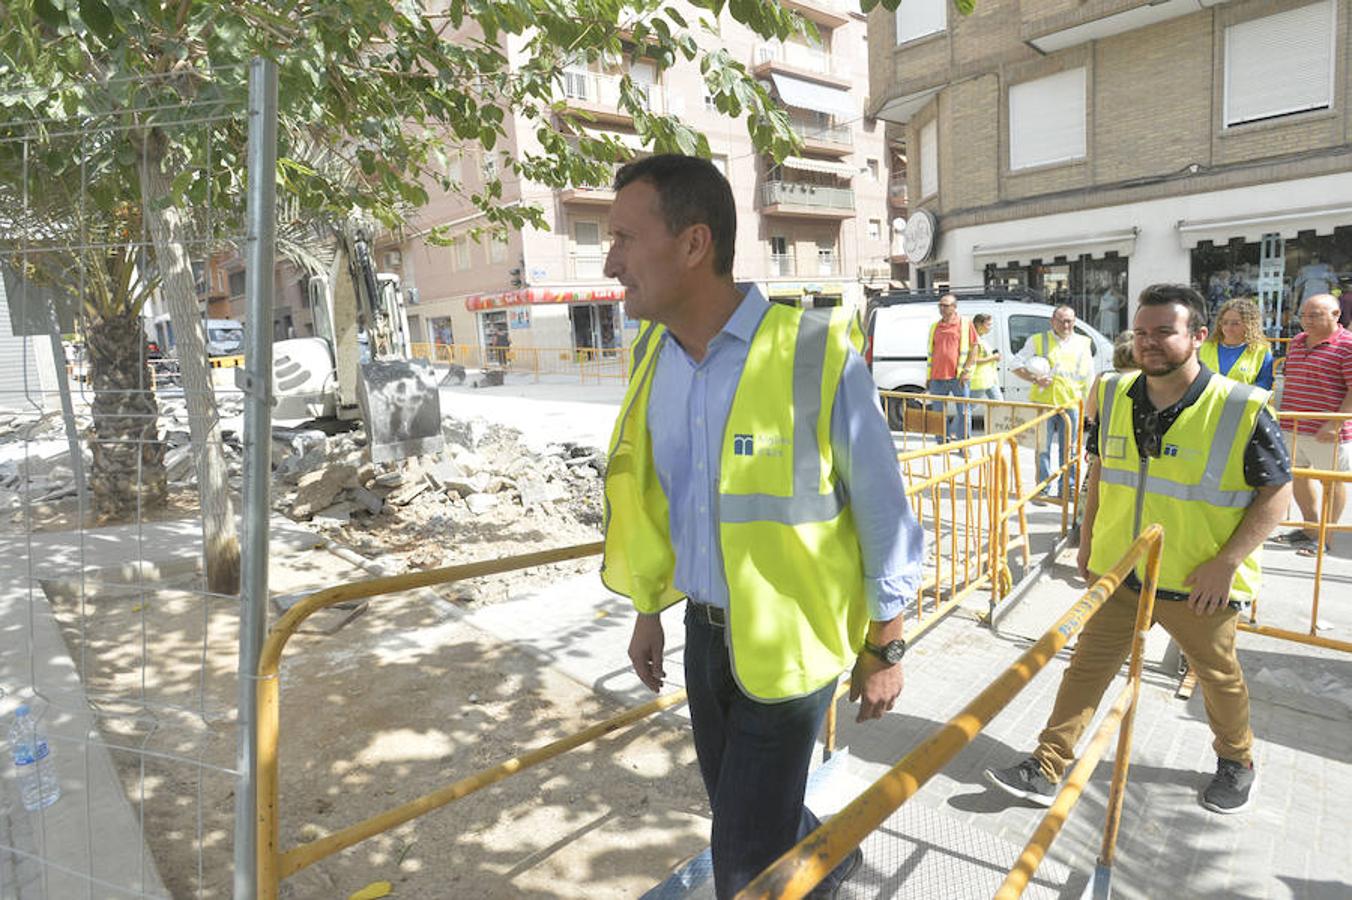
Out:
{"x": 1246, "y": 367}
{"x": 1195, "y": 488}
{"x": 1071, "y": 365}
{"x": 964, "y": 344}
{"x": 983, "y": 374}
{"x": 791, "y": 557}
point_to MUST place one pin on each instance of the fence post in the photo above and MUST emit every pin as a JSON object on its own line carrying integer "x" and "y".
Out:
{"x": 257, "y": 384}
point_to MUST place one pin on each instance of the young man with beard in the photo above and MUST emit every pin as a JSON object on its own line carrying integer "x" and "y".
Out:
{"x": 1201, "y": 454}
{"x": 751, "y": 475}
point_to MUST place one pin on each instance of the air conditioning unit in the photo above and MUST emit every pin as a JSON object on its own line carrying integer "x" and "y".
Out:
{"x": 393, "y": 259}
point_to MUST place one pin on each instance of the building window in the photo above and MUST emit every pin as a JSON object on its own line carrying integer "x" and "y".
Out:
{"x": 1280, "y": 65}
{"x": 490, "y": 167}
{"x": 929, "y": 159}
{"x": 455, "y": 170}
{"x": 873, "y": 170}
{"x": 497, "y": 249}
{"x": 875, "y": 229}
{"x": 781, "y": 261}
{"x": 460, "y": 253}
{"x": 236, "y": 283}
{"x": 1047, "y": 120}
{"x": 918, "y": 18}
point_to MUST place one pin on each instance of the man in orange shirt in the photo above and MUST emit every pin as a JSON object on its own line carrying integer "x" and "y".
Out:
{"x": 952, "y": 355}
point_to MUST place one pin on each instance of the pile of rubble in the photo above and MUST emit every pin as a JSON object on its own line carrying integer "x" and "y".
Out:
{"x": 486, "y": 490}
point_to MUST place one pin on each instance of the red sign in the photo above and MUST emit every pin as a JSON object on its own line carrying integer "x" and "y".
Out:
{"x": 532, "y": 296}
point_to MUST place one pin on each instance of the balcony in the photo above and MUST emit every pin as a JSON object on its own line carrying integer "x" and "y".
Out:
{"x": 806, "y": 201}
{"x": 587, "y": 265}
{"x": 828, "y": 13}
{"x": 828, "y": 140}
{"x": 785, "y": 265}
{"x": 898, "y": 194}
{"x": 598, "y": 95}
{"x": 1049, "y": 27}
{"x": 587, "y": 196}
{"x": 797, "y": 59}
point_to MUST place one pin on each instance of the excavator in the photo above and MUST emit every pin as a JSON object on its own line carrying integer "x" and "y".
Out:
{"x": 358, "y": 365}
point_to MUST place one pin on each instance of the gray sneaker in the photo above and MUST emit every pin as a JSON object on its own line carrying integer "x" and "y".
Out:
{"x": 1231, "y": 788}
{"x": 1024, "y": 781}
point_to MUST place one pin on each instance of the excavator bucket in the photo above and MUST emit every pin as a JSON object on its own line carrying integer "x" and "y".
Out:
{"x": 401, "y": 407}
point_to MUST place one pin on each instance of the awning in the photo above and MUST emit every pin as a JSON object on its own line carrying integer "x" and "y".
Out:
{"x": 819, "y": 165}
{"x": 900, "y": 109}
{"x": 821, "y": 98}
{"x": 632, "y": 141}
{"x": 1024, "y": 252}
{"x": 537, "y": 295}
{"x": 1287, "y": 223}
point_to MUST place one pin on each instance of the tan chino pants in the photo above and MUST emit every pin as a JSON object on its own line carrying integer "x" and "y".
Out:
{"x": 1207, "y": 641}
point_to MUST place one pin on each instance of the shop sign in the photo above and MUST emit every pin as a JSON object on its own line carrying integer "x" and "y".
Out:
{"x": 535, "y": 295}
{"x": 919, "y": 238}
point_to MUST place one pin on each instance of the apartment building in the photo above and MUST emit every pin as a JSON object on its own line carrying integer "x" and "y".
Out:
{"x": 812, "y": 231}
{"x": 1088, "y": 149}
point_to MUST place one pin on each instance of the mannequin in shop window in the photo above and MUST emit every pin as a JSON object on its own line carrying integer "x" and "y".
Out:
{"x": 1313, "y": 279}
{"x": 1109, "y": 312}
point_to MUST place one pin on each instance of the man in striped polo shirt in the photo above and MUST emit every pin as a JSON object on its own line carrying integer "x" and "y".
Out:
{"x": 1318, "y": 379}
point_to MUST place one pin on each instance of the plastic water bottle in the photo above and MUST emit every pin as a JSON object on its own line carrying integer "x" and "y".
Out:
{"x": 33, "y": 762}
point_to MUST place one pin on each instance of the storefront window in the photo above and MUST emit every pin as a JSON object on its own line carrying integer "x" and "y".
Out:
{"x": 1095, "y": 288}
{"x": 1279, "y": 273}
{"x": 442, "y": 332}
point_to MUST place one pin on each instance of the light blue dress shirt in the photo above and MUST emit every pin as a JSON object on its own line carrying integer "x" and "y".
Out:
{"x": 687, "y": 417}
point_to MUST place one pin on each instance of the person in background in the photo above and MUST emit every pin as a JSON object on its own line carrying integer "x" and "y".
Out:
{"x": 1236, "y": 348}
{"x": 1318, "y": 379}
{"x": 1070, "y": 369}
{"x": 985, "y": 375}
{"x": 952, "y": 356}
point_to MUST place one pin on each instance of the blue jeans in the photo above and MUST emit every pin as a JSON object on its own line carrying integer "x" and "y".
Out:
{"x": 1056, "y": 430}
{"x": 754, "y": 759}
{"x": 958, "y": 423}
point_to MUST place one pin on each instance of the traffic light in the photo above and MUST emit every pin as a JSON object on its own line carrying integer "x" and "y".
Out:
{"x": 517, "y": 280}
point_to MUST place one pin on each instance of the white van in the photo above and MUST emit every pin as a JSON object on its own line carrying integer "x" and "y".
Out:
{"x": 898, "y": 335}
{"x": 225, "y": 337}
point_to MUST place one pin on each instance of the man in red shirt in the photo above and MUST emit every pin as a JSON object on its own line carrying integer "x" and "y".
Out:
{"x": 952, "y": 356}
{"x": 1318, "y": 379}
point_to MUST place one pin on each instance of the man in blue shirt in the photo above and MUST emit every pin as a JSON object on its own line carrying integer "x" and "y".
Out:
{"x": 673, "y": 225}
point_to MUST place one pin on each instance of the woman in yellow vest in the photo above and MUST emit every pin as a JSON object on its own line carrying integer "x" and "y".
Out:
{"x": 985, "y": 375}
{"x": 1236, "y": 347}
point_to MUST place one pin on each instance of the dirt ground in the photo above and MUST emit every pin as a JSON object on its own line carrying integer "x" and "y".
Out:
{"x": 400, "y": 701}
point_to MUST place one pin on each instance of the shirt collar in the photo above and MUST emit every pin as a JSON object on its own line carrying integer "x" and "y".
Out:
{"x": 1138, "y": 393}
{"x": 746, "y": 318}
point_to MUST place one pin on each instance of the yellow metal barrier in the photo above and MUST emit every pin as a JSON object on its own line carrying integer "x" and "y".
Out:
{"x": 803, "y": 867}
{"x": 588, "y": 364}
{"x": 274, "y": 864}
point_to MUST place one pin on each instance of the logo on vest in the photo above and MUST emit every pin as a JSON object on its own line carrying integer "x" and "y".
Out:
{"x": 758, "y": 445}
{"x": 1176, "y": 451}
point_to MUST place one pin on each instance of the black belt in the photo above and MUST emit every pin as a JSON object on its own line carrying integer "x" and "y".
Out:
{"x": 713, "y": 615}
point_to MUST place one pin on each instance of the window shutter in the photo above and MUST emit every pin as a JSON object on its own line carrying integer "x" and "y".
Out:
{"x": 929, "y": 159}
{"x": 1047, "y": 120}
{"x": 917, "y": 18}
{"x": 1280, "y": 64}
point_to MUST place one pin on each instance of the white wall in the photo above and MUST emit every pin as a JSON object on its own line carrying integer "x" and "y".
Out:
{"x": 1159, "y": 255}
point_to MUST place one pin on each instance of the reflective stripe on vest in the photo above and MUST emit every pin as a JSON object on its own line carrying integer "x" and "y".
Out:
{"x": 1200, "y": 496}
{"x": 1067, "y": 384}
{"x": 1246, "y": 368}
{"x": 789, "y": 548}
{"x": 964, "y": 345}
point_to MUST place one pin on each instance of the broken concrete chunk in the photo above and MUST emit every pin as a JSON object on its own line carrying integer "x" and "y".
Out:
{"x": 319, "y": 489}
{"x": 481, "y": 503}
{"x": 337, "y": 514}
{"x": 370, "y": 501}
{"x": 535, "y": 491}
{"x": 405, "y": 494}
{"x": 389, "y": 479}
{"x": 443, "y": 473}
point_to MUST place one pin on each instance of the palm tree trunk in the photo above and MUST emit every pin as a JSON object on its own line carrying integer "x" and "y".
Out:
{"x": 128, "y": 472}
{"x": 168, "y": 231}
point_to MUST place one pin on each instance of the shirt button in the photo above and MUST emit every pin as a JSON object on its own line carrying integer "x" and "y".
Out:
{"x": 699, "y": 421}
{"x": 699, "y": 464}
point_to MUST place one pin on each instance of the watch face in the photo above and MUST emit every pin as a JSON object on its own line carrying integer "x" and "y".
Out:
{"x": 893, "y": 651}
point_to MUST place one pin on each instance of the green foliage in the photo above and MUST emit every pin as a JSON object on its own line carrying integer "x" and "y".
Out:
{"x": 387, "y": 91}
{"x": 964, "y": 7}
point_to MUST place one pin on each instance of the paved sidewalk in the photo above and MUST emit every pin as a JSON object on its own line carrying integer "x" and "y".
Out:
{"x": 1295, "y": 842}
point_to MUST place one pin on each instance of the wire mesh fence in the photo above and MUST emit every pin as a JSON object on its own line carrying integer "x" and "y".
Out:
{"x": 120, "y": 465}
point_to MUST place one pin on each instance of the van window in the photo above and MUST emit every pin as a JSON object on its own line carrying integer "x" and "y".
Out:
{"x": 1093, "y": 345}
{"x": 1021, "y": 328}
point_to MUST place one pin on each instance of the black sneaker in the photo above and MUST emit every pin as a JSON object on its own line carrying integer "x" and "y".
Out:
{"x": 852, "y": 864}
{"x": 1025, "y": 781}
{"x": 1231, "y": 788}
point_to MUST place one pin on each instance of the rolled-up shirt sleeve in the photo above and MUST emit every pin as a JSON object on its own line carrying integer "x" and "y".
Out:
{"x": 890, "y": 538}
